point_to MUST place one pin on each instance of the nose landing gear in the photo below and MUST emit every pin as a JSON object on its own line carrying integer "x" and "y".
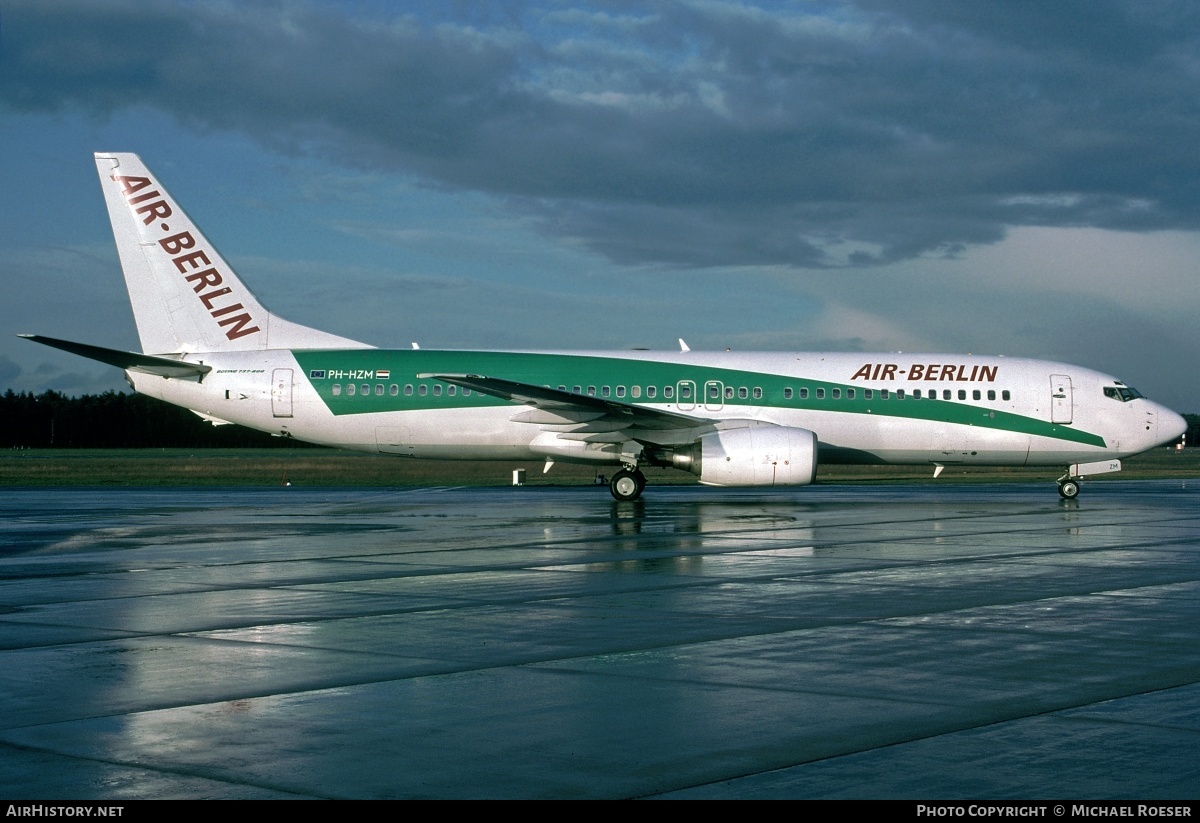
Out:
{"x": 1068, "y": 484}
{"x": 1068, "y": 489}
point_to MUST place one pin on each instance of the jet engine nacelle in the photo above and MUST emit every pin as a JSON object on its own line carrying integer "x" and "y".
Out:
{"x": 754, "y": 456}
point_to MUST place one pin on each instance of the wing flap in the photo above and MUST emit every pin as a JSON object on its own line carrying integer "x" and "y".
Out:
{"x": 558, "y": 417}
{"x": 595, "y": 437}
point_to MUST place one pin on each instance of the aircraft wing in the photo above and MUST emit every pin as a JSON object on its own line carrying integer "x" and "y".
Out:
{"x": 162, "y": 366}
{"x": 597, "y": 411}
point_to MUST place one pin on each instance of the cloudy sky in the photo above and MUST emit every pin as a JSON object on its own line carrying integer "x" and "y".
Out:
{"x": 1018, "y": 178}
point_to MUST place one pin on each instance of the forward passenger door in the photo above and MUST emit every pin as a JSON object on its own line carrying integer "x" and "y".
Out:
{"x": 1062, "y": 404}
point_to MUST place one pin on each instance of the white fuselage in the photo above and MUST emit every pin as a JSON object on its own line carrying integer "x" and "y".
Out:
{"x": 872, "y": 408}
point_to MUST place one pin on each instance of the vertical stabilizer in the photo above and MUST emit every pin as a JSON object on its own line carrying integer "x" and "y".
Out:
{"x": 185, "y": 297}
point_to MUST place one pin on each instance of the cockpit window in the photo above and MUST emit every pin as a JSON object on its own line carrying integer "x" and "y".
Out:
{"x": 1122, "y": 393}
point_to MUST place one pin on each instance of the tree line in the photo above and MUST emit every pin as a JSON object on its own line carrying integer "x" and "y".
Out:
{"x": 115, "y": 420}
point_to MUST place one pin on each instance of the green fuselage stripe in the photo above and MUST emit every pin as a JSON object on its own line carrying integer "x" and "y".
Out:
{"x": 375, "y": 368}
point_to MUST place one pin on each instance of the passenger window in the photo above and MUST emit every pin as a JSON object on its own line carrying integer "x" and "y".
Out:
{"x": 408, "y": 390}
{"x": 685, "y": 392}
{"x": 991, "y": 394}
{"x": 916, "y": 394}
{"x": 803, "y": 393}
{"x": 849, "y": 394}
{"x": 466, "y": 392}
{"x": 884, "y": 394}
{"x": 975, "y": 395}
{"x": 635, "y": 392}
{"x": 757, "y": 393}
{"x": 394, "y": 390}
{"x": 1006, "y": 395}
{"x": 452, "y": 390}
{"x": 379, "y": 390}
{"x": 837, "y": 394}
{"x": 729, "y": 392}
{"x": 651, "y": 391}
{"x": 899, "y": 394}
{"x": 668, "y": 392}
{"x": 422, "y": 390}
{"x": 946, "y": 394}
{"x": 787, "y": 393}
{"x": 620, "y": 391}
{"x": 337, "y": 389}
{"x": 868, "y": 394}
{"x": 437, "y": 389}
{"x": 351, "y": 389}
{"x": 605, "y": 391}
{"x": 591, "y": 391}
{"x": 577, "y": 389}
{"x": 366, "y": 389}
{"x": 820, "y": 394}
{"x": 962, "y": 394}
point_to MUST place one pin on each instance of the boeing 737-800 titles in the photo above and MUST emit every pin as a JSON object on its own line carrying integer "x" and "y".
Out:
{"x": 733, "y": 419}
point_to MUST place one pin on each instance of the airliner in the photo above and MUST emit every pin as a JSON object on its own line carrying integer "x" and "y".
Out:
{"x": 732, "y": 418}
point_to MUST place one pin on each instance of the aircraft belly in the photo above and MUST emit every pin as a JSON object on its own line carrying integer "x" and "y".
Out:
{"x": 1045, "y": 452}
{"x": 978, "y": 446}
{"x": 453, "y": 434}
{"x": 880, "y": 439}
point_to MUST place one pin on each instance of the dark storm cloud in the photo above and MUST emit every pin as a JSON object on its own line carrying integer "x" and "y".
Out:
{"x": 9, "y": 371}
{"x": 691, "y": 134}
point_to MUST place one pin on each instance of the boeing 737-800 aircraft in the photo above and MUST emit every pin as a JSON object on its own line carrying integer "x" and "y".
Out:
{"x": 734, "y": 419}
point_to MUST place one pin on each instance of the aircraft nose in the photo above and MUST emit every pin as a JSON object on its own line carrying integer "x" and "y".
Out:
{"x": 1171, "y": 426}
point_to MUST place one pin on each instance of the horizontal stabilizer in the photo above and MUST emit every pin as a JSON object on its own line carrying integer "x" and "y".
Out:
{"x": 131, "y": 361}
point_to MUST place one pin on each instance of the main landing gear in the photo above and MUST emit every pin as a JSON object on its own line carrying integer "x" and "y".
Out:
{"x": 627, "y": 484}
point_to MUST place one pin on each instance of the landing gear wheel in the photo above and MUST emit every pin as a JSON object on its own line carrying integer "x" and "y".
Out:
{"x": 1069, "y": 489}
{"x": 627, "y": 485}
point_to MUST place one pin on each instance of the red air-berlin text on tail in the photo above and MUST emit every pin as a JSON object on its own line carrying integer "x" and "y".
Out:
{"x": 189, "y": 261}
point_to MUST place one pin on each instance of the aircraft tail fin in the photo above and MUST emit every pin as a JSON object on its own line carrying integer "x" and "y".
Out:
{"x": 185, "y": 296}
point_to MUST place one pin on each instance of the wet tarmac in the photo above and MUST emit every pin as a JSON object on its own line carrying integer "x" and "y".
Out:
{"x": 826, "y": 642}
